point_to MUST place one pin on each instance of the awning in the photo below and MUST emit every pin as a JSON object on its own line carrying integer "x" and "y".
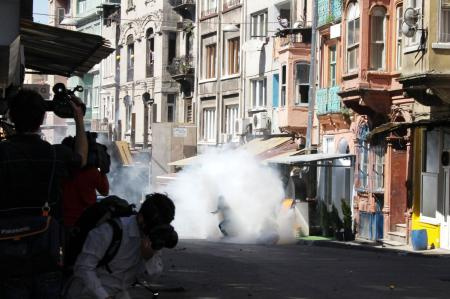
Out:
{"x": 387, "y": 128}
{"x": 184, "y": 162}
{"x": 256, "y": 147}
{"x": 53, "y": 50}
{"x": 308, "y": 159}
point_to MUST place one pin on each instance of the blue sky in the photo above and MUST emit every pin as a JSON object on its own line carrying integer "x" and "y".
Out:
{"x": 40, "y": 6}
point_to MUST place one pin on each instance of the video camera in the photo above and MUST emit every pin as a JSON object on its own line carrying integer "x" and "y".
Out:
{"x": 163, "y": 235}
{"x": 60, "y": 104}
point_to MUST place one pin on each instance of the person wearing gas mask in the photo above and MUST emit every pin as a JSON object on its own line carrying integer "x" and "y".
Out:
{"x": 138, "y": 255}
{"x": 31, "y": 171}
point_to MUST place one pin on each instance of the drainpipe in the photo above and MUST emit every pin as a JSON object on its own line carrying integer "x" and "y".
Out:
{"x": 312, "y": 79}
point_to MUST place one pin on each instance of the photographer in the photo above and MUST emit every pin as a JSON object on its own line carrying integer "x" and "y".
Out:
{"x": 31, "y": 170}
{"x": 143, "y": 236}
{"x": 80, "y": 189}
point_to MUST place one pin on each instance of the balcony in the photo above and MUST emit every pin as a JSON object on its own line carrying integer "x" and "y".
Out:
{"x": 186, "y": 8}
{"x": 182, "y": 70}
{"x": 229, "y": 4}
{"x": 328, "y": 101}
{"x": 328, "y": 11}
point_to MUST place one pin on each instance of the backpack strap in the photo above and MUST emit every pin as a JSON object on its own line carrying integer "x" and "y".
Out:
{"x": 113, "y": 247}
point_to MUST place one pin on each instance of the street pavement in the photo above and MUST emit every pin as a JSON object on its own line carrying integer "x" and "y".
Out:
{"x": 214, "y": 270}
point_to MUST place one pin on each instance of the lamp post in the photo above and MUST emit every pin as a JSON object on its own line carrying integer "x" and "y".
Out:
{"x": 148, "y": 101}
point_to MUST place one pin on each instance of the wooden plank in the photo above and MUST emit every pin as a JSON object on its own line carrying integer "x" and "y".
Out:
{"x": 124, "y": 152}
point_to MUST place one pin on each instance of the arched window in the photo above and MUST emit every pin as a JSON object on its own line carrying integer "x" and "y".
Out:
{"x": 130, "y": 58}
{"x": 352, "y": 36}
{"x": 363, "y": 156}
{"x": 150, "y": 48}
{"x": 378, "y": 38}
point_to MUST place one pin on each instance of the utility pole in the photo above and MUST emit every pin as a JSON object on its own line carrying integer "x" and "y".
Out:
{"x": 312, "y": 79}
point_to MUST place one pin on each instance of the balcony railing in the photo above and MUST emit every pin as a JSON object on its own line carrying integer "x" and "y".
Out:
{"x": 181, "y": 66}
{"x": 176, "y": 3}
{"x": 328, "y": 11}
{"x": 328, "y": 101}
{"x": 227, "y": 4}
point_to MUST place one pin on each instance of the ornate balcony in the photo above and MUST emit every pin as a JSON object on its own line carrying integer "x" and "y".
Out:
{"x": 182, "y": 70}
{"x": 328, "y": 11}
{"x": 328, "y": 101}
{"x": 186, "y": 8}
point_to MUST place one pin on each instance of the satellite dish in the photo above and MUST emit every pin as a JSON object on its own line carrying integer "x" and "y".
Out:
{"x": 411, "y": 16}
{"x": 408, "y": 31}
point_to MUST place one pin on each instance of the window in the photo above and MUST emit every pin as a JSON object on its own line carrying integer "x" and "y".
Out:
{"x": 258, "y": 92}
{"x": 445, "y": 22}
{"x": 209, "y": 124}
{"x": 231, "y": 115}
{"x": 230, "y": 3}
{"x": 232, "y": 56}
{"x": 283, "y": 85}
{"x": 363, "y": 155}
{"x": 172, "y": 46}
{"x": 302, "y": 83}
{"x": 210, "y": 71}
{"x": 61, "y": 14}
{"x": 209, "y": 7}
{"x": 171, "y": 108}
{"x": 81, "y": 8}
{"x": 377, "y": 35}
{"x": 150, "y": 48}
{"x": 430, "y": 174}
{"x": 259, "y": 25}
{"x": 189, "y": 112}
{"x": 328, "y": 145}
{"x": 378, "y": 168}
{"x": 130, "y": 58}
{"x": 399, "y": 47}
{"x": 417, "y": 5}
{"x": 352, "y": 36}
{"x": 128, "y": 107}
{"x": 332, "y": 57}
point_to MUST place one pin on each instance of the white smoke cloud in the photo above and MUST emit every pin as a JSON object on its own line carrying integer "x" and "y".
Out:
{"x": 252, "y": 191}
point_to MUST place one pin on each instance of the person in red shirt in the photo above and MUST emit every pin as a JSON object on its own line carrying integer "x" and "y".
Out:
{"x": 80, "y": 190}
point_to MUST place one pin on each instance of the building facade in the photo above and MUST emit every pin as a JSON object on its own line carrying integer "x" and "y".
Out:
{"x": 371, "y": 59}
{"x": 425, "y": 75}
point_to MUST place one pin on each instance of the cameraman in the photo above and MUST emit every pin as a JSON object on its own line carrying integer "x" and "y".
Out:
{"x": 31, "y": 170}
{"x": 143, "y": 235}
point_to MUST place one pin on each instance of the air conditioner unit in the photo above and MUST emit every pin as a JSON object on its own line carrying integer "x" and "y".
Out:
{"x": 261, "y": 121}
{"x": 240, "y": 126}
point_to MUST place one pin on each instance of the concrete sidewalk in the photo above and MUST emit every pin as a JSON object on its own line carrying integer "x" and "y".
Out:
{"x": 362, "y": 244}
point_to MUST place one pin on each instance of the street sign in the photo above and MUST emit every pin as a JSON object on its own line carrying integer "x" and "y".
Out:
{"x": 42, "y": 89}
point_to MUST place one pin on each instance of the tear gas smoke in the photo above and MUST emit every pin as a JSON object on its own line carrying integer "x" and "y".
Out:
{"x": 252, "y": 192}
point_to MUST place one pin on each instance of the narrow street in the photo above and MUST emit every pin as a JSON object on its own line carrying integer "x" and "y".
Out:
{"x": 216, "y": 270}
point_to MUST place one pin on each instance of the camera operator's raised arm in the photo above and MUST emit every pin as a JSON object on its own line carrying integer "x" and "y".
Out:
{"x": 81, "y": 143}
